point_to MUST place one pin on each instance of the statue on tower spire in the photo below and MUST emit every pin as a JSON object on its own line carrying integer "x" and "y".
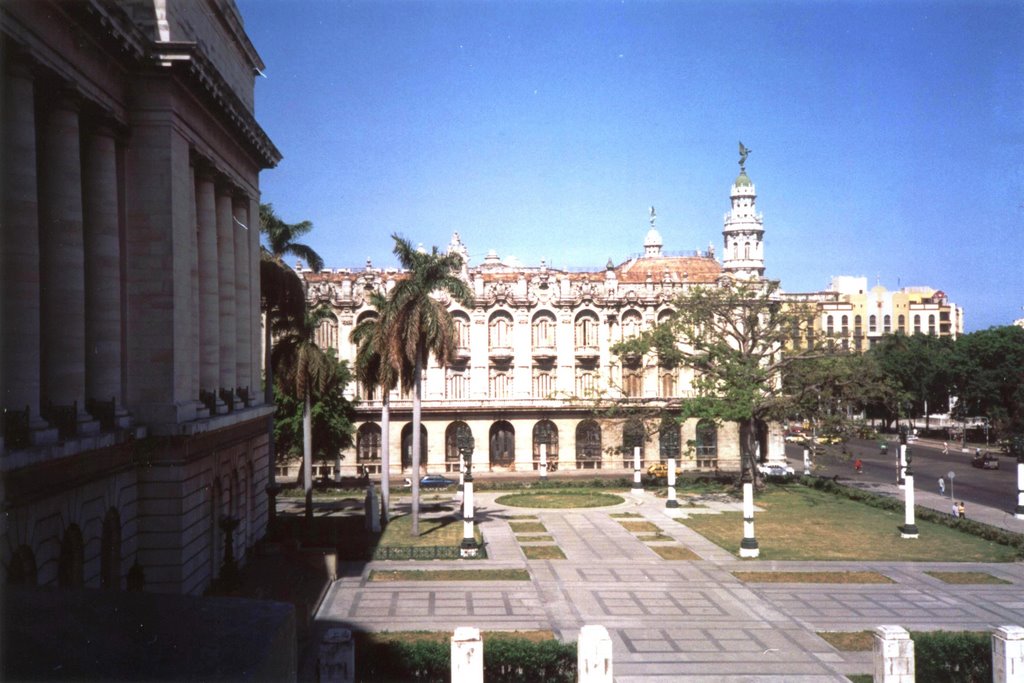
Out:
{"x": 653, "y": 216}
{"x": 744, "y": 153}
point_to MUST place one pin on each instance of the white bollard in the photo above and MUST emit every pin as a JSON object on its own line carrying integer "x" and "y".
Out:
{"x": 467, "y": 655}
{"x": 909, "y": 529}
{"x": 1008, "y": 655}
{"x": 1019, "y": 511}
{"x": 594, "y": 655}
{"x": 894, "y": 655}
{"x": 637, "y": 486}
{"x": 671, "y": 502}
{"x": 748, "y": 546}
{"x": 807, "y": 462}
{"x": 902, "y": 467}
{"x": 543, "y": 461}
{"x": 337, "y": 662}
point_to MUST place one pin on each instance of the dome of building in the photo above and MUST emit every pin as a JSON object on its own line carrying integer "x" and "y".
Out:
{"x": 743, "y": 180}
{"x": 653, "y": 238}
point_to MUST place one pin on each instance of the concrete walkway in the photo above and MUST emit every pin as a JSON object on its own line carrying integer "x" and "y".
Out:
{"x": 675, "y": 620}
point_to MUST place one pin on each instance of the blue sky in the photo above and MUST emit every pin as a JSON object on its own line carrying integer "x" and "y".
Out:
{"x": 887, "y": 138}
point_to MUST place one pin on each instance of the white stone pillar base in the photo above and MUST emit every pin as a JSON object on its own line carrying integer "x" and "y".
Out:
{"x": 337, "y": 661}
{"x": 1008, "y": 654}
{"x": 893, "y": 655}
{"x": 467, "y": 655}
{"x": 594, "y": 655}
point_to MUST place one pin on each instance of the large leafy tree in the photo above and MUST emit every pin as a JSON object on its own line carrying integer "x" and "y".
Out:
{"x": 988, "y": 376}
{"x": 919, "y": 366}
{"x": 306, "y": 372}
{"x": 331, "y": 418}
{"x": 419, "y": 325}
{"x": 375, "y": 369}
{"x": 734, "y": 337}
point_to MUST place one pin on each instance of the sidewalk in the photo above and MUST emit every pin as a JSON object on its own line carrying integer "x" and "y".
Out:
{"x": 673, "y": 620}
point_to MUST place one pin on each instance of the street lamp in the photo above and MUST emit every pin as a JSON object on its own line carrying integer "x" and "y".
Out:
{"x": 670, "y": 449}
{"x": 909, "y": 529}
{"x": 544, "y": 435}
{"x": 465, "y": 442}
{"x": 748, "y": 546}
{"x": 901, "y": 459}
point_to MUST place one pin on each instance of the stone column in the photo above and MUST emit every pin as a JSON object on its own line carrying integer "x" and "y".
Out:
{"x": 102, "y": 266}
{"x": 637, "y": 486}
{"x": 467, "y": 655}
{"x": 226, "y": 291}
{"x": 209, "y": 298}
{"x": 671, "y": 501}
{"x": 255, "y": 320}
{"x": 243, "y": 302}
{"x": 1008, "y": 654}
{"x": 594, "y": 655}
{"x": 19, "y": 253}
{"x": 893, "y": 655}
{"x": 62, "y": 252}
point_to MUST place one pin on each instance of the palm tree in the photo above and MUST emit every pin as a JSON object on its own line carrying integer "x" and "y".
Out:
{"x": 305, "y": 371}
{"x": 370, "y": 338}
{"x": 421, "y": 325}
{"x": 282, "y": 295}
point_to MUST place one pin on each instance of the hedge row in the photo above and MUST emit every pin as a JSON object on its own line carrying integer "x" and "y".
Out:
{"x": 952, "y": 657}
{"x": 989, "y": 533}
{"x": 506, "y": 660}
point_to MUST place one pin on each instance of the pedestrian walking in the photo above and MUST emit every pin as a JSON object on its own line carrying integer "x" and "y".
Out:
{"x": 961, "y": 511}
{"x": 942, "y": 486}
{"x": 956, "y": 510}
{"x": 945, "y": 448}
{"x": 859, "y": 466}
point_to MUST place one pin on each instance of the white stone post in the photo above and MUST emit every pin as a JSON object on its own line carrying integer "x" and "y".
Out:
{"x": 337, "y": 661}
{"x": 902, "y": 469}
{"x": 594, "y": 655}
{"x": 748, "y": 546}
{"x": 893, "y": 655}
{"x": 909, "y": 529}
{"x": 543, "y": 461}
{"x": 637, "y": 486}
{"x": 671, "y": 502}
{"x": 469, "y": 547}
{"x": 1008, "y": 655}
{"x": 807, "y": 462}
{"x": 467, "y": 655}
{"x": 1019, "y": 512}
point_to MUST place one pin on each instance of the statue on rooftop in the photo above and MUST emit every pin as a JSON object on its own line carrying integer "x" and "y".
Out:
{"x": 744, "y": 153}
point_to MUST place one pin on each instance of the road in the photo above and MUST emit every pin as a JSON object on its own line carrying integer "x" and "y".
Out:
{"x": 995, "y": 488}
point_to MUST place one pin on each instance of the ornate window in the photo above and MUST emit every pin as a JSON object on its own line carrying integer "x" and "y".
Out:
{"x": 846, "y": 326}
{"x": 830, "y": 326}
{"x": 502, "y": 444}
{"x": 407, "y": 446}
{"x": 872, "y": 324}
{"x": 631, "y": 323}
{"x": 901, "y": 323}
{"x": 586, "y": 381}
{"x": 368, "y": 439}
{"x": 543, "y": 331}
{"x": 886, "y": 324}
{"x": 858, "y": 332}
{"x": 500, "y": 383}
{"x": 71, "y": 563}
{"x": 110, "y": 551}
{"x": 707, "y": 444}
{"x": 500, "y": 331}
{"x": 588, "y": 445}
{"x": 462, "y": 332}
{"x": 545, "y": 432}
{"x": 931, "y": 324}
{"x": 632, "y": 381}
{"x": 669, "y": 438}
{"x": 586, "y": 330}
{"x": 917, "y": 323}
{"x": 633, "y": 436}
{"x": 452, "y": 456}
{"x": 543, "y": 382}
{"x": 457, "y": 382}
{"x": 326, "y": 335}
{"x": 667, "y": 383}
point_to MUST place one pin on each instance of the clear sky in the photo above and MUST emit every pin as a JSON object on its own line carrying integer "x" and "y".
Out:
{"x": 887, "y": 138}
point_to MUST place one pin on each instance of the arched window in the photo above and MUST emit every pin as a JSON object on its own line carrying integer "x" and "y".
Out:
{"x": 500, "y": 331}
{"x": 588, "y": 445}
{"x": 632, "y": 381}
{"x": 707, "y": 444}
{"x": 22, "y": 569}
{"x": 872, "y": 324}
{"x": 586, "y": 382}
{"x": 668, "y": 383}
{"x": 543, "y": 382}
{"x": 931, "y": 324}
{"x": 746, "y": 250}
{"x": 633, "y": 436}
{"x": 543, "y": 331}
{"x": 71, "y": 564}
{"x": 326, "y": 336}
{"x": 631, "y": 323}
{"x": 858, "y": 331}
{"x": 500, "y": 383}
{"x": 586, "y": 330}
{"x": 917, "y": 323}
{"x": 545, "y": 432}
{"x": 462, "y": 331}
{"x": 407, "y": 446}
{"x": 830, "y": 326}
{"x": 846, "y": 326}
{"x": 368, "y": 439}
{"x": 502, "y": 444}
{"x": 457, "y": 382}
{"x": 452, "y": 456}
{"x": 110, "y": 551}
{"x": 901, "y": 323}
{"x": 886, "y": 324}
{"x": 669, "y": 438}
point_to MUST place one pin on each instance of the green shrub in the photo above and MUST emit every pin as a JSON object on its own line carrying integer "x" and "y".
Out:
{"x": 517, "y": 660}
{"x": 953, "y": 657}
{"x": 396, "y": 661}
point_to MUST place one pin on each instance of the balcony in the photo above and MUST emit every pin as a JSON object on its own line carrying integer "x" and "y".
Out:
{"x": 501, "y": 353}
{"x": 544, "y": 352}
{"x": 587, "y": 352}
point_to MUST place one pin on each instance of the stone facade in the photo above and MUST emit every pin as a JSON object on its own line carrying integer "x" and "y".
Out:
{"x": 129, "y": 292}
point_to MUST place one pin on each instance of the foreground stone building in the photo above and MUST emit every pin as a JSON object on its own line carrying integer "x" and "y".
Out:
{"x": 535, "y": 363}
{"x": 133, "y": 423}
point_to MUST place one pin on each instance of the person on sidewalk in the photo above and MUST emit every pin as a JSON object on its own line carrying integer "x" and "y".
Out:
{"x": 961, "y": 510}
{"x": 956, "y": 510}
{"x": 859, "y": 466}
{"x": 945, "y": 448}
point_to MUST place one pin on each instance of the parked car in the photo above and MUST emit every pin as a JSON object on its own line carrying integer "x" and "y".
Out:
{"x": 659, "y": 470}
{"x": 828, "y": 439}
{"x": 776, "y": 469}
{"x": 795, "y": 436}
{"x": 436, "y": 481}
{"x": 985, "y": 461}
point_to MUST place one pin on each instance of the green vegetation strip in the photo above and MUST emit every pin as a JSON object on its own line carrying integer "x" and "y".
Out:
{"x": 561, "y": 499}
{"x": 527, "y": 527}
{"x": 674, "y": 552}
{"x": 535, "y": 539}
{"x": 543, "y": 552}
{"x": 812, "y": 577}
{"x": 968, "y": 578}
{"x": 806, "y": 524}
{"x": 625, "y": 515}
{"x": 449, "y": 575}
{"x": 640, "y": 526}
{"x": 434, "y": 531}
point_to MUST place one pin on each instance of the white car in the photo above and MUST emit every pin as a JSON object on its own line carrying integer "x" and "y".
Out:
{"x": 776, "y": 469}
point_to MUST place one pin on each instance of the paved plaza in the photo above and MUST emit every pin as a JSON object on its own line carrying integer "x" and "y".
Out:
{"x": 673, "y": 620}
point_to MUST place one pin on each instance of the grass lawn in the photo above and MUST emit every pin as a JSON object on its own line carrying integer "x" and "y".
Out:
{"x": 803, "y": 524}
{"x": 968, "y": 578}
{"x": 625, "y": 515}
{"x": 539, "y": 538}
{"x": 567, "y": 498}
{"x": 674, "y": 552}
{"x": 849, "y": 641}
{"x": 446, "y": 531}
{"x": 812, "y": 577}
{"x": 527, "y": 527}
{"x": 450, "y": 575}
{"x": 543, "y": 552}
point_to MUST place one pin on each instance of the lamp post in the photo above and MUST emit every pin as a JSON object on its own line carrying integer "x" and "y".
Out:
{"x": 464, "y": 439}
{"x": 544, "y": 437}
{"x": 670, "y": 448}
{"x": 909, "y": 529}
{"x": 748, "y": 546}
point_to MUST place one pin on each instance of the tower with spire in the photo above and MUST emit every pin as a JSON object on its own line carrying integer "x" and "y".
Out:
{"x": 743, "y": 233}
{"x": 653, "y": 242}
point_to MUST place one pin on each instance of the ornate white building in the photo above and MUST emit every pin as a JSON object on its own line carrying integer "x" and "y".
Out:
{"x": 534, "y": 359}
{"x": 130, "y": 361}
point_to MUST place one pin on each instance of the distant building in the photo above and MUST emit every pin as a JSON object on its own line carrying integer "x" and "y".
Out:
{"x": 133, "y": 423}
{"x": 534, "y": 352}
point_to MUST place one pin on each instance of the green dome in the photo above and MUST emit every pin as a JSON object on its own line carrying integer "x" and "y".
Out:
{"x": 742, "y": 179}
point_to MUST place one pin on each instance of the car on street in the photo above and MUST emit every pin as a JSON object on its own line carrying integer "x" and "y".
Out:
{"x": 436, "y": 481}
{"x": 985, "y": 461}
{"x": 776, "y": 469}
{"x": 659, "y": 470}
